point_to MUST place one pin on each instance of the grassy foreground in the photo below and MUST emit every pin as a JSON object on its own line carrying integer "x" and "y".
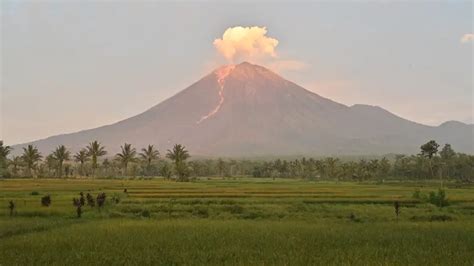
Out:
{"x": 243, "y": 222}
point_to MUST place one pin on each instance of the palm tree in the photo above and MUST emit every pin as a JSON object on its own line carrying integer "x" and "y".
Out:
{"x": 61, "y": 154}
{"x": 81, "y": 157}
{"x": 126, "y": 156}
{"x": 95, "y": 150}
{"x": 4, "y": 151}
{"x": 15, "y": 163}
{"x": 30, "y": 157}
{"x": 179, "y": 154}
{"x": 51, "y": 163}
{"x": 149, "y": 154}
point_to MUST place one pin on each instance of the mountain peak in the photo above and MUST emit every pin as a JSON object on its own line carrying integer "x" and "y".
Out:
{"x": 246, "y": 109}
{"x": 246, "y": 71}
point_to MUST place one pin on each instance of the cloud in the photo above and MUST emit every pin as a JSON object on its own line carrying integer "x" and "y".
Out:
{"x": 246, "y": 43}
{"x": 468, "y": 37}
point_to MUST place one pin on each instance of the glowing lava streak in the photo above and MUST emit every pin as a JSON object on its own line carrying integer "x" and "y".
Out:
{"x": 221, "y": 74}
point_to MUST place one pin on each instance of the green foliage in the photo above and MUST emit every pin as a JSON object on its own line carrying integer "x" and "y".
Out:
{"x": 4, "y": 151}
{"x": 81, "y": 157}
{"x": 429, "y": 149}
{"x": 95, "y": 150}
{"x": 179, "y": 155}
{"x": 61, "y": 154}
{"x": 149, "y": 155}
{"x": 439, "y": 199}
{"x": 145, "y": 213}
{"x": 128, "y": 155}
{"x": 31, "y": 156}
{"x": 417, "y": 194}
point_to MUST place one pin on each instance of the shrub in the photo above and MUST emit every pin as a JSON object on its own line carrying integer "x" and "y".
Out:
{"x": 146, "y": 214}
{"x": 201, "y": 212}
{"x": 354, "y": 218}
{"x": 432, "y": 218}
{"x": 82, "y": 200}
{"x": 235, "y": 209}
{"x": 439, "y": 199}
{"x": 90, "y": 200}
{"x": 11, "y": 206}
{"x": 417, "y": 194}
{"x": 46, "y": 200}
{"x": 34, "y": 193}
{"x": 77, "y": 203}
{"x": 101, "y": 199}
{"x": 396, "y": 205}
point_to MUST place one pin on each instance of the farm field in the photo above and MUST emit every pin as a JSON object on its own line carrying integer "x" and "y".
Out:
{"x": 235, "y": 221}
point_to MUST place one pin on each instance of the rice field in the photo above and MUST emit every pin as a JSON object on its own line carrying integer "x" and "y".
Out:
{"x": 234, "y": 222}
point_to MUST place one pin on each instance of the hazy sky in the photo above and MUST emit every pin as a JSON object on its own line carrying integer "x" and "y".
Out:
{"x": 78, "y": 65}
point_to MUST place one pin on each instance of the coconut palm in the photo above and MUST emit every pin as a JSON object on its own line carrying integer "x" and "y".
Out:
{"x": 30, "y": 157}
{"x": 127, "y": 156}
{"x": 95, "y": 150}
{"x": 179, "y": 154}
{"x": 81, "y": 157}
{"x": 15, "y": 163}
{"x": 4, "y": 151}
{"x": 61, "y": 154}
{"x": 148, "y": 155}
{"x": 51, "y": 163}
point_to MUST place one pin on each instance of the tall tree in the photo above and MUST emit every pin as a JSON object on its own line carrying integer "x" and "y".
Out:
{"x": 149, "y": 154}
{"x": 4, "y": 151}
{"x": 51, "y": 163}
{"x": 384, "y": 167}
{"x": 127, "y": 156}
{"x": 220, "y": 167}
{"x": 429, "y": 150}
{"x": 15, "y": 164}
{"x": 61, "y": 154}
{"x": 179, "y": 155}
{"x": 30, "y": 157}
{"x": 447, "y": 152}
{"x": 330, "y": 167}
{"x": 81, "y": 157}
{"x": 95, "y": 150}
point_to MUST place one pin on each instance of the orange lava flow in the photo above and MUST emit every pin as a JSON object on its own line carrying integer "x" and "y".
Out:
{"x": 221, "y": 74}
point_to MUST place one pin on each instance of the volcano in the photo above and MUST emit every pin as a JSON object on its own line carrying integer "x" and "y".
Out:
{"x": 248, "y": 110}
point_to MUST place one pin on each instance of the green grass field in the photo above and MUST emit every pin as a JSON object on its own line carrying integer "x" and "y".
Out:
{"x": 237, "y": 222}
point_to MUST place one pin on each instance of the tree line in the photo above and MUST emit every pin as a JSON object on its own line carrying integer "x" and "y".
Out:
{"x": 92, "y": 161}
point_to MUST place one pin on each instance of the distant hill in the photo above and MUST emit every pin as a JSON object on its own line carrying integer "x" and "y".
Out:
{"x": 247, "y": 110}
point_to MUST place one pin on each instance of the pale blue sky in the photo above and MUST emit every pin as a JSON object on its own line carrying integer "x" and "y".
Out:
{"x": 68, "y": 66}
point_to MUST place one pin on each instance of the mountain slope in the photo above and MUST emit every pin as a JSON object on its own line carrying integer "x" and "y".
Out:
{"x": 247, "y": 110}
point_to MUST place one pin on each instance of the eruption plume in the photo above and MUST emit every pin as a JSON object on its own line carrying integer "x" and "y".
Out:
{"x": 246, "y": 43}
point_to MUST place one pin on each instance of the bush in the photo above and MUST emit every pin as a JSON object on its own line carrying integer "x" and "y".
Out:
{"x": 34, "y": 193}
{"x": 432, "y": 218}
{"x": 439, "y": 199}
{"x": 235, "y": 209}
{"x": 354, "y": 218}
{"x": 90, "y": 200}
{"x": 201, "y": 212}
{"x": 101, "y": 199}
{"x": 46, "y": 200}
{"x": 146, "y": 214}
{"x": 417, "y": 194}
